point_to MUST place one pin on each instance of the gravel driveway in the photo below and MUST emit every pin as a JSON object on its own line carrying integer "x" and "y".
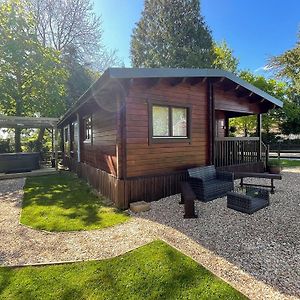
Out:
{"x": 258, "y": 254}
{"x": 265, "y": 244}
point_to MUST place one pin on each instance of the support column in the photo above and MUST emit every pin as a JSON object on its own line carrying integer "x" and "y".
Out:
{"x": 69, "y": 139}
{"x": 56, "y": 147}
{"x": 78, "y": 137}
{"x": 258, "y": 133}
{"x": 211, "y": 121}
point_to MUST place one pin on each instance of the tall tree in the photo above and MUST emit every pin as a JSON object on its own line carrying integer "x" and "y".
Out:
{"x": 73, "y": 28}
{"x": 32, "y": 78}
{"x": 224, "y": 58}
{"x": 171, "y": 33}
{"x": 272, "y": 119}
{"x": 287, "y": 67}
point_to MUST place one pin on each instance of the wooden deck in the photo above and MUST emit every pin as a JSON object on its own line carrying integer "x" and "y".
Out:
{"x": 39, "y": 172}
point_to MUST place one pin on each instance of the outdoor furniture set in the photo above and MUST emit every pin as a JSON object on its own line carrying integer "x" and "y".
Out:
{"x": 207, "y": 183}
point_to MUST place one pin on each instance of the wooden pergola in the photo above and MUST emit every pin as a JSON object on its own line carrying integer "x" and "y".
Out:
{"x": 34, "y": 122}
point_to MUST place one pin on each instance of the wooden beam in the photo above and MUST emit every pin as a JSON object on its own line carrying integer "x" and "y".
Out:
{"x": 211, "y": 118}
{"x": 151, "y": 82}
{"x": 78, "y": 137}
{"x": 56, "y": 147}
{"x": 27, "y": 122}
{"x": 195, "y": 80}
{"x": 176, "y": 81}
{"x": 258, "y": 133}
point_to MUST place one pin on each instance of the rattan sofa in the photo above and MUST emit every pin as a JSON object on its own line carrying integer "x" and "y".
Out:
{"x": 209, "y": 184}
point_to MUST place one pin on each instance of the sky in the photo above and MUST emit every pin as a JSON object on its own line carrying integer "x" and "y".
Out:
{"x": 254, "y": 29}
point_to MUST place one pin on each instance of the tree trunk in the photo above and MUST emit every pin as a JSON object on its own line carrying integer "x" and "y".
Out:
{"x": 18, "y": 139}
{"x": 39, "y": 140}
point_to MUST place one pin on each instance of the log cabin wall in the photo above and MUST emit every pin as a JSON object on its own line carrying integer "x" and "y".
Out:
{"x": 100, "y": 152}
{"x": 146, "y": 158}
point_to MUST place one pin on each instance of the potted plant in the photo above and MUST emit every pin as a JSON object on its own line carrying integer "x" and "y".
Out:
{"x": 275, "y": 166}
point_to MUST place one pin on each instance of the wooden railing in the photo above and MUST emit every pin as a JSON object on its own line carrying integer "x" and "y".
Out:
{"x": 235, "y": 151}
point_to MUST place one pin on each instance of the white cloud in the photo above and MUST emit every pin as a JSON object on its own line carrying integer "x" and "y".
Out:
{"x": 263, "y": 68}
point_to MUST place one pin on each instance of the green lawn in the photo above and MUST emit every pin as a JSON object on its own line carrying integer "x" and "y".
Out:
{"x": 63, "y": 202}
{"x": 288, "y": 162}
{"x": 154, "y": 271}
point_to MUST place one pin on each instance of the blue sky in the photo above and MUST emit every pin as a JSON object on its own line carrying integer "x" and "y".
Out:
{"x": 254, "y": 29}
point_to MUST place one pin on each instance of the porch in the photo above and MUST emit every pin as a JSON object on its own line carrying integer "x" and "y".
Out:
{"x": 234, "y": 151}
{"x": 238, "y": 153}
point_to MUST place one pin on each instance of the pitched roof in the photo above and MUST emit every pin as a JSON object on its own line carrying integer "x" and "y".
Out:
{"x": 134, "y": 73}
{"x": 123, "y": 73}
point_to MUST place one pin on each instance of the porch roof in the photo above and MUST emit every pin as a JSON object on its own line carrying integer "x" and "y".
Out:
{"x": 111, "y": 75}
{"x": 27, "y": 122}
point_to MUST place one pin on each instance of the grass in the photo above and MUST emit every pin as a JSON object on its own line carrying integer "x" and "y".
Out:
{"x": 63, "y": 202}
{"x": 154, "y": 271}
{"x": 287, "y": 162}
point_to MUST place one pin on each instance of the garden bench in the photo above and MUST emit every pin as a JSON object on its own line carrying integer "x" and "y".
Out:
{"x": 272, "y": 177}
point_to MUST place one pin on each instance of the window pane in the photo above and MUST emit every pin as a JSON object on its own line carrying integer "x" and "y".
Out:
{"x": 179, "y": 118}
{"x": 160, "y": 121}
{"x": 88, "y": 128}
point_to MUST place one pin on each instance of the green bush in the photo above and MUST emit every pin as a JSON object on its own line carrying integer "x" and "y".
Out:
{"x": 5, "y": 146}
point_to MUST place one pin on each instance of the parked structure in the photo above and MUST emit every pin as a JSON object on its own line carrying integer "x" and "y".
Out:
{"x": 135, "y": 132}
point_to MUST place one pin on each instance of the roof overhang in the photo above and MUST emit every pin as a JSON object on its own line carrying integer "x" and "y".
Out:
{"x": 27, "y": 122}
{"x": 115, "y": 74}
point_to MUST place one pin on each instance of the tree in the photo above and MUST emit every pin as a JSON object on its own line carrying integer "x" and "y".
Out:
{"x": 224, "y": 58}
{"x": 272, "y": 119}
{"x": 287, "y": 67}
{"x": 72, "y": 27}
{"x": 32, "y": 78}
{"x": 171, "y": 33}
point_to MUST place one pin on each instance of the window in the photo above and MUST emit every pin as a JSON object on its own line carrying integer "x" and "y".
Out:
{"x": 66, "y": 134}
{"x": 169, "y": 122}
{"x": 87, "y": 129}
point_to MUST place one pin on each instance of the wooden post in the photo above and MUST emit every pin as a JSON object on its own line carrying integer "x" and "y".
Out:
{"x": 52, "y": 143}
{"x": 56, "y": 147}
{"x": 258, "y": 132}
{"x": 211, "y": 120}
{"x": 267, "y": 155}
{"x": 78, "y": 137}
{"x": 69, "y": 139}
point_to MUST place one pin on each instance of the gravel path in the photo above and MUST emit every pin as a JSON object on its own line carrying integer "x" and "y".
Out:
{"x": 258, "y": 254}
{"x": 265, "y": 244}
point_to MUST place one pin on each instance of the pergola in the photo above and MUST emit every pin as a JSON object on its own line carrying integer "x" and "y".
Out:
{"x": 34, "y": 122}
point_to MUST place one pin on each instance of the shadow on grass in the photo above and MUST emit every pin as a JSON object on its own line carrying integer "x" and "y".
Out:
{"x": 64, "y": 197}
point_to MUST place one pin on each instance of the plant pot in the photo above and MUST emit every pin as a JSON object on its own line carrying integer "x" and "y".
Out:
{"x": 275, "y": 169}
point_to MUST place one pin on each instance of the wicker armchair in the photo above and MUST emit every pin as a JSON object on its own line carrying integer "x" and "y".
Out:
{"x": 209, "y": 184}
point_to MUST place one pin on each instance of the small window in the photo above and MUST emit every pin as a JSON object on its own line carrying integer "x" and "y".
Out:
{"x": 66, "y": 134}
{"x": 169, "y": 122}
{"x": 87, "y": 125}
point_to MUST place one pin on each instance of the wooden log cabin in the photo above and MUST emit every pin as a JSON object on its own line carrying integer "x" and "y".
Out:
{"x": 135, "y": 132}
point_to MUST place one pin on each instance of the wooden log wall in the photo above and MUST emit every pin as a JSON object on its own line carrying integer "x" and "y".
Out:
{"x": 122, "y": 192}
{"x": 146, "y": 158}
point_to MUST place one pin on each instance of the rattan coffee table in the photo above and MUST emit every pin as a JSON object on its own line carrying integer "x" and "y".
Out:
{"x": 248, "y": 200}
